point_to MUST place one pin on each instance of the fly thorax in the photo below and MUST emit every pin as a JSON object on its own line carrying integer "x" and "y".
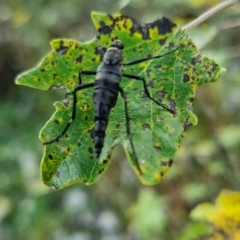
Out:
{"x": 113, "y": 56}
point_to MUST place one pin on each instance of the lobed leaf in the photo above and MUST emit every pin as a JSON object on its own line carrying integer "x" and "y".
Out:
{"x": 156, "y": 133}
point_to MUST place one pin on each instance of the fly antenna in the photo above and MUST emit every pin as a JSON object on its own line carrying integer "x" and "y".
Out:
{"x": 100, "y": 47}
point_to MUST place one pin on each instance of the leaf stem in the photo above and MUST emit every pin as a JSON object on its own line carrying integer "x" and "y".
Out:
{"x": 209, "y": 13}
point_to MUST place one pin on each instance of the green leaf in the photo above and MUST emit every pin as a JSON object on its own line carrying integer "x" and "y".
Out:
{"x": 156, "y": 133}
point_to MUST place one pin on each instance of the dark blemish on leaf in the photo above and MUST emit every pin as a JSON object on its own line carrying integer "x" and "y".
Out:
{"x": 43, "y": 70}
{"x": 186, "y": 78}
{"x": 214, "y": 67}
{"x": 148, "y": 72}
{"x": 190, "y": 105}
{"x": 38, "y": 79}
{"x": 146, "y": 126}
{"x": 143, "y": 94}
{"x": 104, "y": 29}
{"x": 50, "y": 156}
{"x": 150, "y": 84}
{"x": 170, "y": 161}
{"x": 58, "y": 174}
{"x": 162, "y": 41}
{"x": 90, "y": 150}
{"x": 79, "y": 59}
{"x": 134, "y": 49}
{"x": 68, "y": 149}
{"x": 160, "y": 119}
{"x": 77, "y": 47}
{"x": 55, "y": 75}
{"x": 62, "y": 49}
{"x": 86, "y": 106}
{"x": 91, "y": 133}
{"x": 171, "y": 45}
{"x": 157, "y": 147}
{"x": 166, "y": 164}
{"x": 161, "y": 94}
{"x": 125, "y": 25}
{"x": 86, "y": 117}
{"x": 186, "y": 124}
{"x": 163, "y": 25}
{"x": 56, "y": 121}
{"x": 158, "y": 67}
{"x": 172, "y": 104}
{"x": 163, "y": 164}
{"x": 117, "y": 126}
{"x": 196, "y": 60}
{"x": 79, "y": 144}
{"x": 53, "y": 63}
{"x": 100, "y": 171}
{"x": 105, "y": 161}
{"x": 162, "y": 174}
{"x": 66, "y": 135}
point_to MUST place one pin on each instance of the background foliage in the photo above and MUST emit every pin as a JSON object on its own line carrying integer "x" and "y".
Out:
{"x": 117, "y": 206}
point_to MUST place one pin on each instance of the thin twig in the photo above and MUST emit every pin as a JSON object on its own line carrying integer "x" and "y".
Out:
{"x": 209, "y": 13}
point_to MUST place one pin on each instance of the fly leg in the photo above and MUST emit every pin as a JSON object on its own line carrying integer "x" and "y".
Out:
{"x": 74, "y": 92}
{"x": 127, "y": 119}
{"x": 85, "y": 73}
{"x": 136, "y": 77}
{"x": 150, "y": 58}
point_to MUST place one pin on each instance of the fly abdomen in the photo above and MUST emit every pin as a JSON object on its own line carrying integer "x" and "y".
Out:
{"x": 99, "y": 135}
{"x": 101, "y": 113}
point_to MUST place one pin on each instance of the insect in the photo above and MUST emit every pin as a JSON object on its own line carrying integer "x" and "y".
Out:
{"x": 106, "y": 89}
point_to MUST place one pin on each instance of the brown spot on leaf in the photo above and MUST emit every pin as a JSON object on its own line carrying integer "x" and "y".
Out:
{"x": 167, "y": 163}
{"x": 196, "y": 59}
{"x": 62, "y": 49}
{"x": 150, "y": 84}
{"x": 157, "y": 147}
{"x": 186, "y": 78}
{"x": 146, "y": 126}
{"x": 105, "y": 161}
{"x": 79, "y": 59}
{"x": 104, "y": 29}
{"x": 90, "y": 150}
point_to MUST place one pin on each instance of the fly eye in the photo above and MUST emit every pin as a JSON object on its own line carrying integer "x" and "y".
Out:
{"x": 118, "y": 44}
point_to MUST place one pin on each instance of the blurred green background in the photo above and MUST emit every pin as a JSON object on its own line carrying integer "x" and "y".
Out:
{"x": 117, "y": 206}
